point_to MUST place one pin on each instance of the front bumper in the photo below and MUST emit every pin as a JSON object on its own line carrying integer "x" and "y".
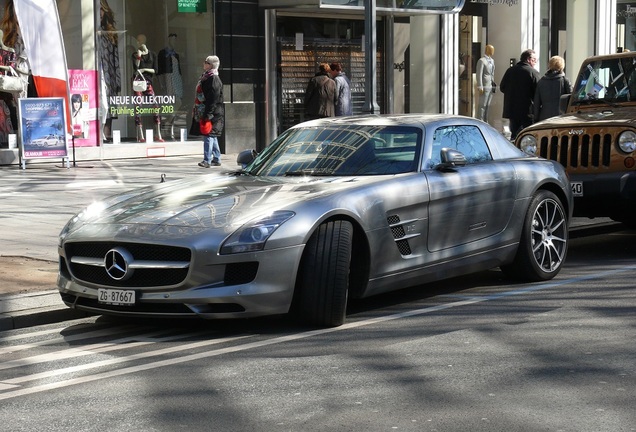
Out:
{"x": 270, "y": 292}
{"x": 605, "y": 195}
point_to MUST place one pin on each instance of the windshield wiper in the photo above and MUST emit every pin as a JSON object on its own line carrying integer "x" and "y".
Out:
{"x": 588, "y": 101}
{"x": 596, "y": 101}
{"x": 241, "y": 172}
{"x": 309, "y": 172}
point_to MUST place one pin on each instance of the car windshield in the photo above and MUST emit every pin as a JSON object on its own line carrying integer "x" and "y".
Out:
{"x": 607, "y": 81}
{"x": 340, "y": 151}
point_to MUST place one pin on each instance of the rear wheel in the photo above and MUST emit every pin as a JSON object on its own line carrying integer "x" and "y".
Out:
{"x": 323, "y": 283}
{"x": 544, "y": 240}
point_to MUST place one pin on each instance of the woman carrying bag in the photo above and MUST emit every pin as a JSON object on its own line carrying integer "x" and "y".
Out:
{"x": 208, "y": 113}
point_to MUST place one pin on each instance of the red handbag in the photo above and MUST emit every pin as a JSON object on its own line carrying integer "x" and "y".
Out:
{"x": 205, "y": 126}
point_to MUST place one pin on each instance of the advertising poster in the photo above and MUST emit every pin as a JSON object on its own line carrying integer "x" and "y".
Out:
{"x": 83, "y": 91}
{"x": 42, "y": 128}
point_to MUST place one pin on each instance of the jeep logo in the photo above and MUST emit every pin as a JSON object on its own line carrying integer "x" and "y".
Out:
{"x": 576, "y": 132}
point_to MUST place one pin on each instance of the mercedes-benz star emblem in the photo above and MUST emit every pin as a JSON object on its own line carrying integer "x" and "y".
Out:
{"x": 117, "y": 262}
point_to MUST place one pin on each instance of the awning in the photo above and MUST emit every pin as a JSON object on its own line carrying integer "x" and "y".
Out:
{"x": 383, "y": 7}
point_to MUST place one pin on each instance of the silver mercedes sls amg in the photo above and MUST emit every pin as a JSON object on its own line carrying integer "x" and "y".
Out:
{"x": 332, "y": 209}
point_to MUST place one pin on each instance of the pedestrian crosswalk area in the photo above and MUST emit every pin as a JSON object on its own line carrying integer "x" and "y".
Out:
{"x": 81, "y": 352}
{"x": 40, "y": 360}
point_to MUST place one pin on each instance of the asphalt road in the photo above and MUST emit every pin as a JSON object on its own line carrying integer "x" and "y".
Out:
{"x": 476, "y": 353}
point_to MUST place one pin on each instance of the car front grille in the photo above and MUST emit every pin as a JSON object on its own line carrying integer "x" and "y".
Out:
{"x": 85, "y": 262}
{"x": 577, "y": 151}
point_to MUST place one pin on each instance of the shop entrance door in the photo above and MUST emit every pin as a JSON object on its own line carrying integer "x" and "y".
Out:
{"x": 467, "y": 59}
{"x": 298, "y": 67}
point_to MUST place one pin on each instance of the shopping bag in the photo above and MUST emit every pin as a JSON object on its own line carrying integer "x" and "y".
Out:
{"x": 205, "y": 125}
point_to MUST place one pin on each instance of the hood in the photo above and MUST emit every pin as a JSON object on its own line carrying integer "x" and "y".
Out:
{"x": 602, "y": 117}
{"x": 215, "y": 201}
{"x": 552, "y": 75}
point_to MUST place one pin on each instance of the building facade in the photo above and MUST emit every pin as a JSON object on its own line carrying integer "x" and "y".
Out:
{"x": 269, "y": 49}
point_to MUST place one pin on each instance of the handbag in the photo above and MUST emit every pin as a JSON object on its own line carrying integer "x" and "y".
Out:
{"x": 7, "y": 57}
{"x": 139, "y": 82}
{"x": 10, "y": 83}
{"x": 205, "y": 125}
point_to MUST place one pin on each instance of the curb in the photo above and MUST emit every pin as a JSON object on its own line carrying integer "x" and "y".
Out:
{"x": 38, "y": 316}
{"x": 31, "y": 309}
{"x": 596, "y": 229}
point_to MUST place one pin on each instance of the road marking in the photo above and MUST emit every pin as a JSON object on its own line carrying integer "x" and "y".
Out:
{"x": 282, "y": 339}
{"x": 62, "y": 339}
{"x": 94, "y": 184}
{"x": 112, "y": 361}
{"x": 11, "y": 194}
{"x": 32, "y": 334}
{"x": 84, "y": 350}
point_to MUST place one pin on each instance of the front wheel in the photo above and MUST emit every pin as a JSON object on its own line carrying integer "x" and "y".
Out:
{"x": 544, "y": 240}
{"x": 323, "y": 282}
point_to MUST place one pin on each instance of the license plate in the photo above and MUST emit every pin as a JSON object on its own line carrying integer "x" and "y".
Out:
{"x": 116, "y": 297}
{"x": 577, "y": 188}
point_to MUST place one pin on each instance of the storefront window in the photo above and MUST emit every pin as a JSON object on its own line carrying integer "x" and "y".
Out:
{"x": 544, "y": 35}
{"x": 323, "y": 41}
{"x": 177, "y": 41}
{"x": 473, "y": 28}
{"x": 626, "y": 26}
{"x": 104, "y": 38}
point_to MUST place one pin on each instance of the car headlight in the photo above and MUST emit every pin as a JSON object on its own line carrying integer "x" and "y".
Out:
{"x": 627, "y": 141}
{"x": 253, "y": 235}
{"x": 528, "y": 145}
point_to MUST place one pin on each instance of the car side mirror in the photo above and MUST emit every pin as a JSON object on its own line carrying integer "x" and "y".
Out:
{"x": 451, "y": 158}
{"x": 246, "y": 157}
{"x": 564, "y": 101}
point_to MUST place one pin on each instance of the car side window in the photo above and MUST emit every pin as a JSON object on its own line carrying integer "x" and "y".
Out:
{"x": 466, "y": 139}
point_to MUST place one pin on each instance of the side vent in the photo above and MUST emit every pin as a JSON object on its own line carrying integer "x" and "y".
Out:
{"x": 399, "y": 234}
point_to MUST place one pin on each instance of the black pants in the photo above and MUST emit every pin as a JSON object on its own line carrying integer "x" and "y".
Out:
{"x": 517, "y": 125}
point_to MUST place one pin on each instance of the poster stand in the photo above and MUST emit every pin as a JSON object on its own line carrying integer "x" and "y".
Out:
{"x": 73, "y": 145}
{"x": 42, "y": 128}
{"x": 74, "y": 159}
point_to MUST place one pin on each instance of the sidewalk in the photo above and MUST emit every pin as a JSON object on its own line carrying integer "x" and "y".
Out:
{"x": 36, "y": 204}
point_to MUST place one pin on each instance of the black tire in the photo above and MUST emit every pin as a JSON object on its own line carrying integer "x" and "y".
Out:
{"x": 323, "y": 283}
{"x": 544, "y": 240}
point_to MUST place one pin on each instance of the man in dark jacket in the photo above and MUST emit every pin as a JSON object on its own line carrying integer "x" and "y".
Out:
{"x": 518, "y": 86}
{"x": 320, "y": 95}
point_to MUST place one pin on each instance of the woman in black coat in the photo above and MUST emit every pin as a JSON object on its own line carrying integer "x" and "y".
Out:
{"x": 549, "y": 90}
